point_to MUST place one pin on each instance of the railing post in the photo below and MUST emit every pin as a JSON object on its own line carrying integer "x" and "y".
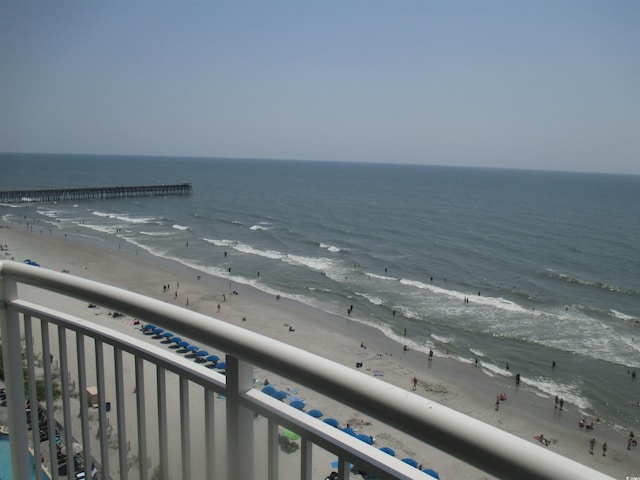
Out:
{"x": 13, "y": 379}
{"x": 239, "y": 420}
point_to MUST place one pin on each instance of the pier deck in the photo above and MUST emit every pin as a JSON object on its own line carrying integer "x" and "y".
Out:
{"x": 93, "y": 193}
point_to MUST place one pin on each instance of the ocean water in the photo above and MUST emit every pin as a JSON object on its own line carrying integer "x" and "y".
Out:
{"x": 517, "y": 267}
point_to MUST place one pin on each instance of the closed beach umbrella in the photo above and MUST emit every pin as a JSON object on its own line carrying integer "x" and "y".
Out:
{"x": 365, "y": 438}
{"x": 269, "y": 390}
{"x": 331, "y": 421}
{"x": 298, "y": 404}
{"x": 410, "y": 461}
{"x": 388, "y": 451}
{"x": 315, "y": 413}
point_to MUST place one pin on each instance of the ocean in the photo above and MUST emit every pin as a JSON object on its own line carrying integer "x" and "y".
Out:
{"x": 523, "y": 268}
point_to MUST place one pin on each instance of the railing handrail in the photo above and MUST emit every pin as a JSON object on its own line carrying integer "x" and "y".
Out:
{"x": 470, "y": 440}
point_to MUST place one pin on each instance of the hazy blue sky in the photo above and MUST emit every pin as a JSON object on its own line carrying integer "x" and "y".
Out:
{"x": 525, "y": 84}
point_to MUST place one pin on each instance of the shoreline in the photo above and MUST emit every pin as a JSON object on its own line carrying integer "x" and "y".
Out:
{"x": 463, "y": 387}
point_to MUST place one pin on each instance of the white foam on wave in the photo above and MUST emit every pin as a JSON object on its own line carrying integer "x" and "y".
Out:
{"x": 374, "y": 299}
{"x": 271, "y": 254}
{"x": 477, "y": 353}
{"x": 443, "y": 339}
{"x": 319, "y": 264}
{"x": 570, "y": 393}
{"x": 219, "y": 243}
{"x": 123, "y": 218}
{"x": 97, "y": 228}
{"x": 259, "y": 227}
{"x": 331, "y": 248}
{"x": 156, "y": 234}
{"x": 621, "y": 316}
{"x": 495, "y": 302}
{"x": 180, "y": 227}
{"x": 380, "y": 277}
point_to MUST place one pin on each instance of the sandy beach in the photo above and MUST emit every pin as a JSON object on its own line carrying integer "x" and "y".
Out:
{"x": 464, "y": 387}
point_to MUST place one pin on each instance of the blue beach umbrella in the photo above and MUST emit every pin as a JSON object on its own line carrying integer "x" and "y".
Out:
{"x": 221, "y": 366}
{"x": 280, "y": 395}
{"x": 332, "y": 421}
{"x": 158, "y": 330}
{"x": 388, "y": 451}
{"x": 148, "y": 326}
{"x": 298, "y": 404}
{"x": 167, "y": 334}
{"x": 202, "y": 353}
{"x": 176, "y": 339}
{"x": 431, "y": 473}
{"x": 349, "y": 431}
{"x": 192, "y": 348}
{"x": 315, "y": 413}
{"x": 183, "y": 344}
{"x": 269, "y": 390}
{"x": 410, "y": 461}
{"x": 365, "y": 438}
{"x": 212, "y": 358}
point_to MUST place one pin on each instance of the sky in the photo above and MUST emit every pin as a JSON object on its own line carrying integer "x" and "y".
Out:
{"x": 518, "y": 84}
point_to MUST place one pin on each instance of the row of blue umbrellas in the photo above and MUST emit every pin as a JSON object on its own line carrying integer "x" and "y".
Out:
{"x": 299, "y": 404}
{"x": 201, "y": 355}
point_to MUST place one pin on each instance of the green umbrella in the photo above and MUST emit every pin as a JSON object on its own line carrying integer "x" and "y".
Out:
{"x": 290, "y": 435}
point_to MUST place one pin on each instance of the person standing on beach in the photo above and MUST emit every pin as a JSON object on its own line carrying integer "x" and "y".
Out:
{"x": 415, "y": 383}
{"x": 497, "y": 403}
{"x": 604, "y": 449}
{"x": 561, "y": 403}
{"x": 592, "y": 444}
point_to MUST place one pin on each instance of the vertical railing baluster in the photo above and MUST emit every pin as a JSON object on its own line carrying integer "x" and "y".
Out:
{"x": 13, "y": 378}
{"x": 102, "y": 413}
{"x": 64, "y": 380}
{"x": 84, "y": 407}
{"x": 185, "y": 437}
{"x": 33, "y": 393}
{"x": 272, "y": 449}
{"x": 48, "y": 387}
{"x": 305, "y": 459}
{"x": 239, "y": 420}
{"x": 142, "y": 419}
{"x": 122, "y": 420}
{"x": 209, "y": 422}
{"x": 162, "y": 422}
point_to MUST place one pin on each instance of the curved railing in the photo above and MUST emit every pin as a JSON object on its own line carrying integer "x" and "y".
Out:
{"x": 471, "y": 441}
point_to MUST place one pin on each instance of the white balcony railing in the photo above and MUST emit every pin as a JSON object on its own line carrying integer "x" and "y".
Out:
{"x": 149, "y": 440}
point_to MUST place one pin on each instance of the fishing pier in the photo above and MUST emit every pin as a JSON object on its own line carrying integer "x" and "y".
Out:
{"x": 93, "y": 193}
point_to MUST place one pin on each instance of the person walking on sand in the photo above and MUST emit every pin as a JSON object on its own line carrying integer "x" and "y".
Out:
{"x": 497, "y": 403}
{"x": 592, "y": 444}
{"x": 604, "y": 449}
{"x": 414, "y": 383}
